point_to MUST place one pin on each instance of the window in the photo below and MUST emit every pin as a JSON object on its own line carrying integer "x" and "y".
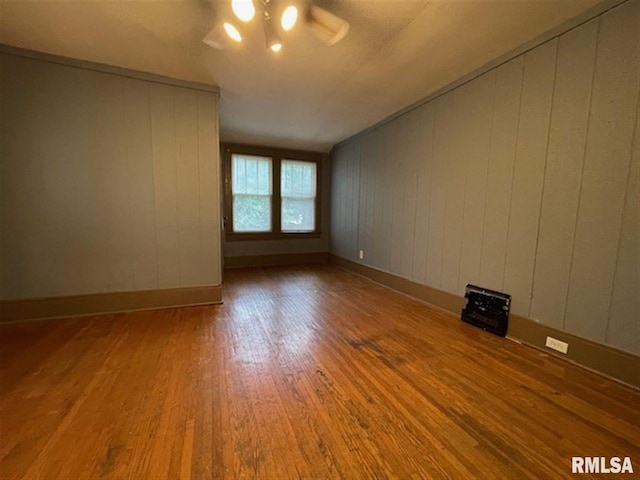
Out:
{"x": 271, "y": 194}
{"x": 298, "y": 192}
{"x": 252, "y": 190}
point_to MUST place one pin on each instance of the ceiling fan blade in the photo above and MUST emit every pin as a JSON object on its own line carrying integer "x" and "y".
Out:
{"x": 216, "y": 38}
{"x": 325, "y": 25}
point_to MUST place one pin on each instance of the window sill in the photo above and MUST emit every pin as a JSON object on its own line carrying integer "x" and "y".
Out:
{"x": 240, "y": 237}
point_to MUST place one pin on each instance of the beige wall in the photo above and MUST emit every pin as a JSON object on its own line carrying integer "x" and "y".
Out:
{"x": 107, "y": 183}
{"x": 524, "y": 180}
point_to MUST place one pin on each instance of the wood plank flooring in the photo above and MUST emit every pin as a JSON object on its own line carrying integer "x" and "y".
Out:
{"x": 304, "y": 372}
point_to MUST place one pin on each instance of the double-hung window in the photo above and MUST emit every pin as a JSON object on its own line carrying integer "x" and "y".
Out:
{"x": 252, "y": 189}
{"x": 271, "y": 194}
{"x": 298, "y": 195}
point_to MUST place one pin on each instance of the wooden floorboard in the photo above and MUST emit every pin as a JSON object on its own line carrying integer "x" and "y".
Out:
{"x": 304, "y": 372}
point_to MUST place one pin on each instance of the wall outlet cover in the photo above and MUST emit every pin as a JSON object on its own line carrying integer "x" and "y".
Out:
{"x": 557, "y": 345}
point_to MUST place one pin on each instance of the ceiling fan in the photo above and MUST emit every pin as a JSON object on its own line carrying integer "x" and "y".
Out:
{"x": 276, "y": 16}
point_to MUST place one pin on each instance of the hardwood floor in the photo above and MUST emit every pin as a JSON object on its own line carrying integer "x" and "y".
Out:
{"x": 305, "y": 372}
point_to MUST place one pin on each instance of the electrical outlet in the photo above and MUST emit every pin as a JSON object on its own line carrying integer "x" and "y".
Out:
{"x": 558, "y": 345}
{"x": 361, "y": 254}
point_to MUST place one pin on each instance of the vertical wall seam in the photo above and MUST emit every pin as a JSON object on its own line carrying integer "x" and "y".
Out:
{"x": 444, "y": 206}
{"x": 419, "y": 144}
{"x": 360, "y": 202}
{"x": 362, "y": 234}
{"x": 584, "y": 161}
{"x": 486, "y": 180}
{"x": 430, "y": 162}
{"x": 357, "y": 200}
{"x": 388, "y": 245}
{"x": 544, "y": 176}
{"x": 342, "y": 195}
{"x": 343, "y": 200}
{"x": 354, "y": 204}
{"x": 344, "y": 217}
{"x": 129, "y": 190}
{"x": 416, "y": 165}
{"x": 339, "y": 203}
{"x": 405, "y": 198}
{"x": 374, "y": 223}
{"x": 464, "y": 193}
{"x": 218, "y": 187}
{"x": 513, "y": 167}
{"x": 343, "y": 172}
{"x": 111, "y": 254}
{"x": 176, "y": 155}
{"x": 440, "y": 240}
{"x": 76, "y": 209}
{"x": 353, "y": 214}
{"x": 153, "y": 174}
{"x": 393, "y": 161}
{"x": 198, "y": 159}
{"x": 624, "y": 204}
{"x": 345, "y": 240}
{"x": 336, "y": 188}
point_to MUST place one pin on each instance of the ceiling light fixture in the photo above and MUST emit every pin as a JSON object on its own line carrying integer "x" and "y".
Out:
{"x": 326, "y": 26}
{"x": 216, "y": 38}
{"x": 289, "y": 18}
{"x": 271, "y": 34}
{"x": 243, "y": 9}
{"x": 323, "y": 24}
{"x": 232, "y": 31}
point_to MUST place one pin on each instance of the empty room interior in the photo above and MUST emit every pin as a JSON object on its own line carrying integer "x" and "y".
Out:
{"x": 288, "y": 239}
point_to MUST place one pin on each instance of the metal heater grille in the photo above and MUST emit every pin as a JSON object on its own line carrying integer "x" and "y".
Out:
{"x": 486, "y": 309}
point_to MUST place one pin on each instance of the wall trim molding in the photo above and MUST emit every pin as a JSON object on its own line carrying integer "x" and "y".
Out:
{"x": 276, "y": 260}
{"x": 104, "y": 68}
{"x": 602, "y": 359}
{"x": 110, "y": 302}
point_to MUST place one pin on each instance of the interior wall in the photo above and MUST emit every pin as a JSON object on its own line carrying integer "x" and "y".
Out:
{"x": 107, "y": 183}
{"x": 249, "y": 248}
{"x": 523, "y": 180}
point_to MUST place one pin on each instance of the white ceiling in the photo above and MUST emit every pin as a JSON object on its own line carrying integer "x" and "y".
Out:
{"x": 309, "y": 95}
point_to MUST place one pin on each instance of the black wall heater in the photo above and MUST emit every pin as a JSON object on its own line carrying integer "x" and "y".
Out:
{"x": 486, "y": 309}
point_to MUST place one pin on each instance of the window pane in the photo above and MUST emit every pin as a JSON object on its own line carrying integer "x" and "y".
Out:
{"x": 250, "y": 175}
{"x": 298, "y": 214}
{"x": 298, "y": 179}
{"x": 251, "y": 181}
{"x": 251, "y": 213}
{"x": 298, "y": 191}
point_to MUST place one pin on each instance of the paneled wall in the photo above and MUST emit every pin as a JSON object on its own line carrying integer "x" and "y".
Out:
{"x": 523, "y": 180}
{"x": 107, "y": 183}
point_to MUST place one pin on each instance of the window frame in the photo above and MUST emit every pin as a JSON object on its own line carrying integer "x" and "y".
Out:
{"x": 268, "y": 196}
{"x": 277, "y": 155}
